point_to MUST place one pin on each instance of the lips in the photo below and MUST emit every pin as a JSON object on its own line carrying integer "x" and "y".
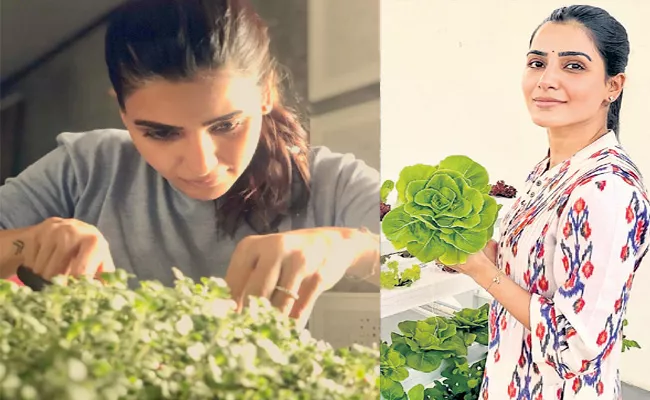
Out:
{"x": 206, "y": 181}
{"x": 545, "y": 102}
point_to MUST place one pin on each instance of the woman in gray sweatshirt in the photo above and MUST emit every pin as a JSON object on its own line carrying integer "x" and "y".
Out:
{"x": 213, "y": 174}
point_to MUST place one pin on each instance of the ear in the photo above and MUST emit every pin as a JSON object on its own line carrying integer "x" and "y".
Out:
{"x": 616, "y": 84}
{"x": 267, "y": 99}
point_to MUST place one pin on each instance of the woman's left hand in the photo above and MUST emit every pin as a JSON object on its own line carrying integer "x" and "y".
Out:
{"x": 293, "y": 268}
{"x": 480, "y": 262}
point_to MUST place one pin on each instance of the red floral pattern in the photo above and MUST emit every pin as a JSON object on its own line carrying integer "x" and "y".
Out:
{"x": 558, "y": 246}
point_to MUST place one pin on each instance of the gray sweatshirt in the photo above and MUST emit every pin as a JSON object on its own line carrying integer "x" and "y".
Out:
{"x": 100, "y": 178}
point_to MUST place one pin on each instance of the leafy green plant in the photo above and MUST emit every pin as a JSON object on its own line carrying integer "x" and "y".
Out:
{"x": 392, "y": 277}
{"x": 462, "y": 381}
{"x": 432, "y": 343}
{"x": 444, "y": 212}
{"x": 393, "y": 370}
{"x": 627, "y": 343}
{"x": 474, "y": 321}
{"x": 81, "y": 339}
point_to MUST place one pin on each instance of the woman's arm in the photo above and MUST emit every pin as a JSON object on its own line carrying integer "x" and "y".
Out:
{"x": 45, "y": 189}
{"x": 601, "y": 241}
{"x": 510, "y": 295}
{"x": 346, "y": 200}
{"x": 365, "y": 245}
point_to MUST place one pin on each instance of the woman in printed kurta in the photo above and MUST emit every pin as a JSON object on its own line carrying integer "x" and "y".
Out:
{"x": 574, "y": 240}
{"x": 562, "y": 270}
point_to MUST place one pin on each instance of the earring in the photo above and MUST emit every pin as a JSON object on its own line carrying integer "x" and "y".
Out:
{"x": 611, "y": 99}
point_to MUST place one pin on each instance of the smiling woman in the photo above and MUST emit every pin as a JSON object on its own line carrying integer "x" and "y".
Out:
{"x": 214, "y": 174}
{"x": 569, "y": 248}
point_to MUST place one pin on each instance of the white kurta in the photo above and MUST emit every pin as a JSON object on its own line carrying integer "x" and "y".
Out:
{"x": 574, "y": 240}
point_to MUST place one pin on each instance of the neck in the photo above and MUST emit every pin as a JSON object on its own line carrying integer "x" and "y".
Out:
{"x": 566, "y": 141}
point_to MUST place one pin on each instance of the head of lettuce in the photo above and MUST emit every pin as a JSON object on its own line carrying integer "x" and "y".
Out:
{"x": 444, "y": 212}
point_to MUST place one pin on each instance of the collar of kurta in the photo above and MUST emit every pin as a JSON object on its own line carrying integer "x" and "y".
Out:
{"x": 607, "y": 141}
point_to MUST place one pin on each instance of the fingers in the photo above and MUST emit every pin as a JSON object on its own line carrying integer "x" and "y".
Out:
{"x": 291, "y": 279}
{"x": 62, "y": 252}
{"x": 40, "y": 259}
{"x": 262, "y": 280}
{"x": 91, "y": 256}
{"x": 309, "y": 291}
{"x": 242, "y": 264}
{"x": 67, "y": 247}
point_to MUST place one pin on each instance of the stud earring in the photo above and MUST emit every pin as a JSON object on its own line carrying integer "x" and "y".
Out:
{"x": 611, "y": 99}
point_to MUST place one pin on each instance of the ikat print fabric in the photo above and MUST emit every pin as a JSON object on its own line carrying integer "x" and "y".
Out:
{"x": 574, "y": 239}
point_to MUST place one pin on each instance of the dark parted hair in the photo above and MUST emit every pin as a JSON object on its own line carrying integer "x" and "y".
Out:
{"x": 178, "y": 39}
{"x": 610, "y": 38}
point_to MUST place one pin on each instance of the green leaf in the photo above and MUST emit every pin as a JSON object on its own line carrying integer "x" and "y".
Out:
{"x": 426, "y": 251}
{"x": 391, "y": 390}
{"x": 397, "y": 225}
{"x": 416, "y": 392}
{"x": 426, "y": 361}
{"x": 413, "y": 188}
{"x": 467, "y": 241}
{"x": 476, "y": 174}
{"x": 385, "y": 190}
{"x": 412, "y": 173}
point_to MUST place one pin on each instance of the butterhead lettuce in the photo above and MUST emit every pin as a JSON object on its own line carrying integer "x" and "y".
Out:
{"x": 444, "y": 212}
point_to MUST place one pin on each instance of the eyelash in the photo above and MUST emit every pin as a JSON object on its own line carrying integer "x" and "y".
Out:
{"x": 226, "y": 127}
{"x": 580, "y": 67}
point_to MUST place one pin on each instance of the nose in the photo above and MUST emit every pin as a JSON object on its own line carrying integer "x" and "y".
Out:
{"x": 201, "y": 155}
{"x": 549, "y": 79}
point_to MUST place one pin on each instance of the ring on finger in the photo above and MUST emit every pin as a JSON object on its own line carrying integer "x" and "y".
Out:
{"x": 288, "y": 292}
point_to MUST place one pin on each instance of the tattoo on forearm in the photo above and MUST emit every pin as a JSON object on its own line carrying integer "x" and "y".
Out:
{"x": 20, "y": 245}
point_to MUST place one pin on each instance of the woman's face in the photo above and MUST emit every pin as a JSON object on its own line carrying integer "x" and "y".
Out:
{"x": 201, "y": 134}
{"x": 564, "y": 82}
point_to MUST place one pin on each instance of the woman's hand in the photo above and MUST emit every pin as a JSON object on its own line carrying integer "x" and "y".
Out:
{"x": 479, "y": 263}
{"x": 60, "y": 246}
{"x": 302, "y": 264}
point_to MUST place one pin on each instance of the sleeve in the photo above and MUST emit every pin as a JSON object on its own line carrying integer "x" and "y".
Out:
{"x": 345, "y": 191}
{"x": 601, "y": 240}
{"x": 47, "y": 188}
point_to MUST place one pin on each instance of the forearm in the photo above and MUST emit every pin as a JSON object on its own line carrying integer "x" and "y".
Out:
{"x": 12, "y": 243}
{"x": 515, "y": 299}
{"x": 361, "y": 247}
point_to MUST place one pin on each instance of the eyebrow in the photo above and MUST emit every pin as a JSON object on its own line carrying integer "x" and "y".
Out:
{"x": 158, "y": 125}
{"x": 561, "y": 54}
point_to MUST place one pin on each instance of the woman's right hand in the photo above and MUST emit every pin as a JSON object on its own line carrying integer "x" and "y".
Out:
{"x": 60, "y": 246}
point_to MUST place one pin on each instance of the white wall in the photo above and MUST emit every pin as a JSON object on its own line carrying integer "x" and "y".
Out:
{"x": 344, "y": 58}
{"x": 450, "y": 79}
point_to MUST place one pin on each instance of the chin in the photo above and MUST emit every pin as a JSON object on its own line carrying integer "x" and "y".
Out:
{"x": 548, "y": 121}
{"x": 206, "y": 194}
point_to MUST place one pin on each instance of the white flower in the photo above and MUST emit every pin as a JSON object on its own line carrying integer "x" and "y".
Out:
{"x": 184, "y": 325}
{"x": 219, "y": 308}
{"x": 274, "y": 352}
{"x": 196, "y": 351}
{"x": 118, "y": 302}
{"x": 77, "y": 370}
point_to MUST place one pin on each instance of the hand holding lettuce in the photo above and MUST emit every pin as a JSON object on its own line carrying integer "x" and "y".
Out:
{"x": 444, "y": 212}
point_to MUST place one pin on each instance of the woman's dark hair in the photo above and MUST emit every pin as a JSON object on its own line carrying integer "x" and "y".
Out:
{"x": 610, "y": 38}
{"x": 176, "y": 40}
